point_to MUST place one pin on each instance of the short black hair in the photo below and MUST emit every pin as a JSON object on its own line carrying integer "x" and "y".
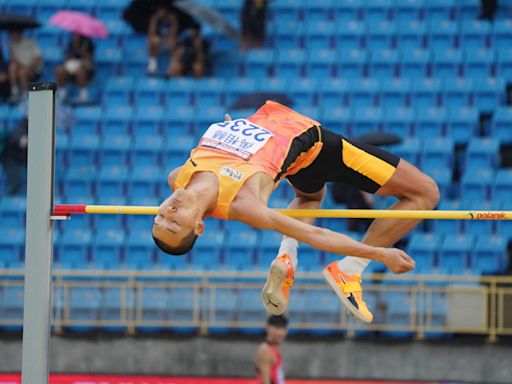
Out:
{"x": 278, "y": 321}
{"x": 184, "y": 247}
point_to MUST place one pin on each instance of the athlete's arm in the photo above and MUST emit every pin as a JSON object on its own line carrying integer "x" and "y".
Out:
{"x": 264, "y": 362}
{"x": 254, "y": 213}
{"x": 171, "y": 178}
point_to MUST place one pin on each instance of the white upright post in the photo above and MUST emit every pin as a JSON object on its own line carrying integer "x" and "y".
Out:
{"x": 39, "y": 233}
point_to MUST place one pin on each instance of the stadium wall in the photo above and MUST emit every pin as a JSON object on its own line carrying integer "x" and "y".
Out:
{"x": 468, "y": 360}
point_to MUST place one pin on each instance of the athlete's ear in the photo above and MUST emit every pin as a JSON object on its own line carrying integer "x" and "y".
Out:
{"x": 227, "y": 117}
{"x": 199, "y": 228}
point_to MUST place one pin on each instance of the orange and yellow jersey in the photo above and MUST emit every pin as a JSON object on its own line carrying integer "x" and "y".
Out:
{"x": 275, "y": 140}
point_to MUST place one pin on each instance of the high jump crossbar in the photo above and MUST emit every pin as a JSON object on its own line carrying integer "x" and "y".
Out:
{"x": 66, "y": 210}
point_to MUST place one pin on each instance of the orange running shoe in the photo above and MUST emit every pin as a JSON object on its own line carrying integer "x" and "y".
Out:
{"x": 276, "y": 291}
{"x": 348, "y": 289}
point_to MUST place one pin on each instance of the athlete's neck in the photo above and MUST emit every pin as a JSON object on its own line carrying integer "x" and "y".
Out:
{"x": 205, "y": 187}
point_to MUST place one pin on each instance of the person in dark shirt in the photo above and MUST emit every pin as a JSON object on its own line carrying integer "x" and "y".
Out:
{"x": 190, "y": 56}
{"x": 162, "y": 35}
{"x": 253, "y": 23}
{"x": 78, "y": 66}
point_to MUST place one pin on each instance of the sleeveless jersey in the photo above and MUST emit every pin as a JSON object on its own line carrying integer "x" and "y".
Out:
{"x": 235, "y": 151}
{"x": 276, "y": 371}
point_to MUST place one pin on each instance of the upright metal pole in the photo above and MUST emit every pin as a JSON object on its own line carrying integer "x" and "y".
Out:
{"x": 39, "y": 233}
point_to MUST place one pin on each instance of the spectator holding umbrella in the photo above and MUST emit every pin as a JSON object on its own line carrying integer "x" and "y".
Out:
{"x": 190, "y": 56}
{"x": 78, "y": 66}
{"x": 26, "y": 63}
{"x": 162, "y": 35}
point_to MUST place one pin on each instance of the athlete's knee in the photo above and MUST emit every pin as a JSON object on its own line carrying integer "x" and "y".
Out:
{"x": 429, "y": 194}
{"x": 315, "y": 196}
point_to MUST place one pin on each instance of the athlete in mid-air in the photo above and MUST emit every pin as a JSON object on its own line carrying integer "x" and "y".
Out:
{"x": 238, "y": 163}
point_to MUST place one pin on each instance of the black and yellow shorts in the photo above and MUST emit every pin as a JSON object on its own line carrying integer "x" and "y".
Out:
{"x": 341, "y": 160}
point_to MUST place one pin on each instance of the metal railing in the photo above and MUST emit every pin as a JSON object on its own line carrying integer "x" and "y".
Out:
{"x": 133, "y": 301}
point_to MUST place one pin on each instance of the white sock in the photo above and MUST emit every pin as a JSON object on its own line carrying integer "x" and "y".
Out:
{"x": 289, "y": 246}
{"x": 353, "y": 265}
{"x": 152, "y": 64}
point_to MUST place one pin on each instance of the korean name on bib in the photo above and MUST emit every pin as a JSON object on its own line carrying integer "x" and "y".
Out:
{"x": 240, "y": 137}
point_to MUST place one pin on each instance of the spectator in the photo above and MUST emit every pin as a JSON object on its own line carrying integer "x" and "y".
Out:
{"x": 488, "y": 9}
{"x": 78, "y": 66}
{"x": 269, "y": 363}
{"x": 190, "y": 56}
{"x": 14, "y": 156}
{"x": 5, "y": 87}
{"x": 253, "y": 23}
{"x": 26, "y": 63}
{"x": 162, "y": 35}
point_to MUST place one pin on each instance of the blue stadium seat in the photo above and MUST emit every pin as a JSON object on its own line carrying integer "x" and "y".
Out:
{"x": 240, "y": 249}
{"x": 504, "y": 65}
{"x": 154, "y": 302}
{"x": 24, "y": 7}
{"x": 399, "y": 313}
{"x": 502, "y": 35}
{"x": 488, "y": 93}
{"x": 502, "y": 187}
{"x": 363, "y": 92}
{"x": 12, "y": 241}
{"x": 109, "y": 9}
{"x": 476, "y": 184}
{"x": 178, "y": 92}
{"x": 349, "y": 35}
{"x": 271, "y": 85}
{"x": 423, "y": 248}
{"x": 457, "y": 93}
{"x": 462, "y": 124}
{"x": 399, "y": 121}
{"x": 377, "y": 11}
{"x": 310, "y": 259}
{"x": 446, "y": 226}
{"x": 225, "y": 304}
{"x": 318, "y": 35}
{"x": 140, "y": 250}
{"x": 490, "y": 254}
{"x": 181, "y": 309}
{"x": 145, "y": 181}
{"x": 297, "y": 307}
{"x": 250, "y": 309}
{"x": 83, "y": 149}
{"x": 481, "y": 227}
{"x": 108, "y": 61}
{"x": 447, "y": 64}
{"x": 303, "y": 91}
{"x": 415, "y": 63}
{"x": 455, "y": 252}
{"x": 468, "y": 9}
{"x": 268, "y": 248}
{"x": 351, "y": 64}
{"x": 259, "y": 62}
{"x": 107, "y": 246}
{"x": 79, "y": 181}
{"x": 74, "y": 246}
{"x": 287, "y": 10}
{"x": 180, "y": 122}
{"x": 148, "y": 121}
{"x": 12, "y": 212}
{"x": 332, "y": 92}
{"x": 88, "y": 119}
{"x": 394, "y": 93}
{"x": 208, "y": 250}
{"x": 114, "y": 150}
{"x": 117, "y": 120}
{"x": 407, "y": 10}
{"x": 321, "y": 64}
{"x": 11, "y": 306}
{"x": 439, "y": 153}
{"x": 408, "y": 149}
{"x": 430, "y": 122}
{"x": 479, "y": 63}
{"x": 323, "y": 307}
{"x": 149, "y": 92}
{"x": 411, "y": 35}
{"x": 210, "y": 92}
{"x": 338, "y": 120}
{"x": 366, "y": 120}
{"x": 425, "y": 93}
{"x": 442, "y": 35}
{"x": 288, "y": 35}
{"x": 502, "y": 125}
{"x": 482, "y": 153}
{"x": 111, "y": 181}
{"x": 319, "y": 10}
{"x": 383, "y": 64}
{"x": 443, "y": 177}
{"x": 208, "y": 116}
{"x": 347, "y": 11}
{"x": 134, "y": 62}
{"x": 230, "y": 9}
{"x": 439, "y": 10}
{"x": 380, "y": 35}
{"x": 474, "y": 34}
{"x": 238, "y": 87}
{"x": 290, "y": 63}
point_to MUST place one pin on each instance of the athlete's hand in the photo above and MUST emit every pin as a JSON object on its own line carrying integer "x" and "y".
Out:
{"x": 227, "y": 117}
{"x": 397, "y": 260}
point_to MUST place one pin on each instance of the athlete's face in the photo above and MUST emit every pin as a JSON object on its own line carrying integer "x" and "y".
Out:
{"x": 276, "y": 335}
{"x": 178, "y": 216}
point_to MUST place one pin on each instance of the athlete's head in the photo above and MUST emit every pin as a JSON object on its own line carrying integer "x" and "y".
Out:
{"x": 178, "y": 223}
{"x": 277, "y": 329}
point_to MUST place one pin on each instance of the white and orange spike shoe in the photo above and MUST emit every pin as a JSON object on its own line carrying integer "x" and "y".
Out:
{"x": 348, "y": 289}
{"x": 276, "y": 291}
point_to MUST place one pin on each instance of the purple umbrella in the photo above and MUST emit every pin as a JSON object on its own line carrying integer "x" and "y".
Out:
{"x": 79, "y": 23}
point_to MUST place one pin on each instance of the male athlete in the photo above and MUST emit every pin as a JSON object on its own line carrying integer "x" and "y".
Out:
{"x": 269, "y": 363}
{"x": 237, "y": 164}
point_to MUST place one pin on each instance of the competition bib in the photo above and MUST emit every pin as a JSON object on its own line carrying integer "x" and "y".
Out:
{"x": 240, "y": 137}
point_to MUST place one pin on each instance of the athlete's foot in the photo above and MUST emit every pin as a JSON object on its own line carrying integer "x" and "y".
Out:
{"x": 276, "y": 291}
{"x": 348, "y": 289}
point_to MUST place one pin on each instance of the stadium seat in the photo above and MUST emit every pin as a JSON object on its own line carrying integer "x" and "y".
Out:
{"x": 363, "y": 93}
{"x": 114, "y": 150}
{"x": 238, "y": 87}
{"x": 502, "y": 186}
{"x": 287, "y": 10}
{"x": 430, "y": 123}
{"x": 79, "y": 181}
{"x": 407, "y": 10}
{"x": 258, "y": 63}
{"x": 323, "y": 307}
{"x": 377, "y": 11}
{"x": 502, "y": 35}
{"x": 380, "y": 36}
{"x": 366, "y": 121}
{"x": 489, "y": 254}
{"x": 479, "y": 64}
{"x": 321, "y": 64}
{"x": 12, "y": 244}
{"x": 338, "y": 120}
{"x": 240, "y": 249}
{"x": 225, "y": 308}
{"x": 399, "y": 121}
{"x": 349, "y": 36}
{"x": 440, "y": 10}
{"x": 474, "y": 34}
{"x": 107, "y": 246}
{"x": 488, "y": 93}
{"x": 117, "y": 120}
{"x": 408, "y": 149}
{"x": 268, "y": 248}
{"x": 439, "y": 153}
{"x": 289, "y": 63}
{"x": 468, "y": 9}
{"x": 148, "y": 92}
{"x": 504, "y": 65}
{"x": 74, "y": 246}
{"x": 394, "y": 93}
{"x": 446, "y": 226}
{"x": 425, "y": 93}
{"x": 12, "y": 212}
{"x": 318, "y": 35}
{"x": 482, "y": 153}
{"x": 423, "y": 248}
{"x": 476, "y": 184}
{"x": 457, "y": 93}
{"x": 207, "y": 251}
{"x": 154, "y": 302}
{"x": 332, "y": 92}
{"x": 383, "y": 64}
{"x": 181, "y": 308}
{"x": 455, "y": 252}
{"x": 288, "y": 35}
{"x": 447, "y": 64}
{"x": 411, "y": 35}
{"x": 148, "y": 121}
{"x": 11, "y": 306}
{"x": 108, "y": 61}
{"x": 351, "y": 64}
{"x": 303, "y": 91}
{"x": 502, "y": 125}
{"x": 415, "y": 63}
{"x": 251, "y": 310}
{"x": 210, "y": 92}
{"x": 481, "y": 227}
{"x": 319, "y": 10}
{"x": 462, "y": 124}
{"x": 347, "y": 11}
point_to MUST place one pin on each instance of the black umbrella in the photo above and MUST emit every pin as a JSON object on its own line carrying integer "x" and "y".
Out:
{"x": 138, "y": 13}
{"x": 257, "y": 99}
{"x": 208, "y": 15}
{"x": 379, "y": 138}
{"x": 13, "y": 21}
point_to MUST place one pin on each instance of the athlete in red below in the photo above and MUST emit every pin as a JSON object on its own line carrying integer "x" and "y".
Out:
{"x": 268, "y": 360}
